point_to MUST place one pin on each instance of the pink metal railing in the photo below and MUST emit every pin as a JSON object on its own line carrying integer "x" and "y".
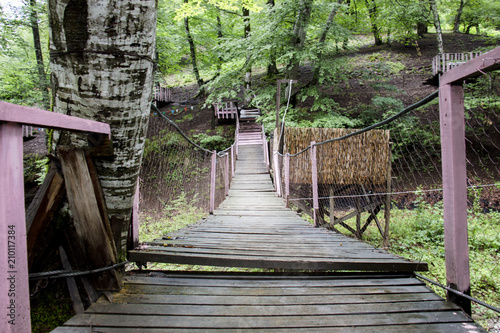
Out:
{"x": 14, "y": 286}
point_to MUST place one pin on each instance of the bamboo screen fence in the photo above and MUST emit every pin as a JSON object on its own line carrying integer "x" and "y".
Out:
{"x": 360, "y": 159}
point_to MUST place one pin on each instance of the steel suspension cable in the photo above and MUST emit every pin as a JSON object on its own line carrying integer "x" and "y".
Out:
{"x": 470, "y": 298}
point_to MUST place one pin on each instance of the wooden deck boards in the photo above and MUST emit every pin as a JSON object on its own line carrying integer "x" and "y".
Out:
{"x": 190, "y": 302}
{"x": 252, "y": 228}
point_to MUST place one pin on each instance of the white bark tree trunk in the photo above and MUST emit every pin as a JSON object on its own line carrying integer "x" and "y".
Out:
{"x": 102, "y": 69}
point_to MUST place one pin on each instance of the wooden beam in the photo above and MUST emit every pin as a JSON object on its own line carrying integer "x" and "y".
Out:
{"x": 14, "y": 286}
{"x": 72, "y": 287}
{"x": 41, "y": 212}
{"x": 473, "y": 68}
{"x": 93, "y": 238}
{"x": 451, "y": 109}
{"x": 36, "y": 117}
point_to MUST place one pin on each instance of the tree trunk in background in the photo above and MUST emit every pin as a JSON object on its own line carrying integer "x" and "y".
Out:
{"x": 456, "y": 23}
{"x": 272, "y": 68}
{"x": 299, "y": 37}
{"x": 219, "y": 41}
{"x": 322, "y": 39}
{"x": 102, "y": 69}
{"x": 437, "y": 25}
{"x": 192, "y": 50}
{"x": 38, "y": 51}
{"x": 373, "y": 13}
{"x": 422, "y": 18}
{"x": 248, "y": 69}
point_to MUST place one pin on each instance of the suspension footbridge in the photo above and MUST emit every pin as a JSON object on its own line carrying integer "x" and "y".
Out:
{"x": 376, "y": 292}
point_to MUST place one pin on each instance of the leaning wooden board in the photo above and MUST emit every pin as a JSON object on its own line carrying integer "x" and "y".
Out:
{"x": 223, "y": 302}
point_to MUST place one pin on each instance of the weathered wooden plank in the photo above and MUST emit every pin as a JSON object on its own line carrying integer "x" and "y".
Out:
{"x": 40, "y": 214}
{"x": 277, "y": 310}
{"x": 261, "y": 281}
{"x": 177, "y": 257}
{"x": 423, "y": 327}
{"x": 275, "y": 252}
{"x": 178, "y": 295}
{"x": 72, "y": 287}
{"x": 93, "y": 240}
{"x": 262, "y": 322}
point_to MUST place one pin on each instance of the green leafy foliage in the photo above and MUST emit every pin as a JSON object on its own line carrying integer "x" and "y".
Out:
{"x": 418, "y": 234}
{"x": 179, "y": 213}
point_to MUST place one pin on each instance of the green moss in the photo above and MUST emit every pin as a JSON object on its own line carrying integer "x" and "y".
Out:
{"x": 50, "y": 307}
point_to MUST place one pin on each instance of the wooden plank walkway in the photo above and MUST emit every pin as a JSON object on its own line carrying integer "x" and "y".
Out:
{"x": 253, "y": 229}
{"x": 169, "y": 302}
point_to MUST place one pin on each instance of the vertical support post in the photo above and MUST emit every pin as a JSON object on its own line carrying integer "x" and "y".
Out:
{"x": 387, "y": 212}
{"x": 278, "y": 103}
{"x": 232, "y": 160}
{"x": 287, "y": 180}
{"x": 135, "y": 216}
{"x": 277, "y": 177}
{"x": 314, "y": 175}
{"x": 451, "y": 111}
{"x": 213, "y": 169}
{"x": 226, "y": 174}
{"x": 266, "y": 148}
{"x": 237, "y": 139}
{"x": 14, "y": 286}
{"x": 332, "y": 204}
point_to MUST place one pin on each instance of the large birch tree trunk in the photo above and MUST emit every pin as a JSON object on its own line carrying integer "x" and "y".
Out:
{"x": 102, "y": 69}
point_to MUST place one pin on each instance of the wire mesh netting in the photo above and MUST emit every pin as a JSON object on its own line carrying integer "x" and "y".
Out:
{"x": 364, "y": 175}
{"x": 172, "y": 167}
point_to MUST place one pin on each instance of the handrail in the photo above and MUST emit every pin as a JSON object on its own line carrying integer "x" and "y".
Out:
{"x": 14, "y": 286}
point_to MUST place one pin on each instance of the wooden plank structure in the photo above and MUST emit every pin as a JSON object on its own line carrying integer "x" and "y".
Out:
{"x": 163, "y": 94}
{"x": 226, "y": 110}
{"x": 223, "y": 302}
{"x": 252, "y": 228}
{"x": 442, "y": 63}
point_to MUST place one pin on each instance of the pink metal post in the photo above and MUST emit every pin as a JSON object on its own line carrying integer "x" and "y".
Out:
{"x": 135, "y": 216}
{"x": 14, "y": 285}
{"x": 451, "y": 110}
{"x": 314, "y": 175}
{"x": 454, "y": 189}
{"x": 237, "y": 137}
{"x": 287, "y": 180}
{"x": 277, "y": 177}
{"x": 226, "y": 174}
{"x": 232, "y": 160}
{"x": 266, "y": 149}
{"x": 213, "y": 170}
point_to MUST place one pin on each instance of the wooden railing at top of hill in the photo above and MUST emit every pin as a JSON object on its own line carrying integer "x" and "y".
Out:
{"x": 163, "y": 94}
{"x": 14, "y": 286}
{"x": 446, "y": 61}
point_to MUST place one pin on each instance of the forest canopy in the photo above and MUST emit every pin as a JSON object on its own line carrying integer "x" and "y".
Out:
{"x": 219, "y": 43}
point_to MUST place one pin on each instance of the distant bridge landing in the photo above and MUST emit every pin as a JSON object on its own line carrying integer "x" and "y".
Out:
{"x": 253, "y": 229}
